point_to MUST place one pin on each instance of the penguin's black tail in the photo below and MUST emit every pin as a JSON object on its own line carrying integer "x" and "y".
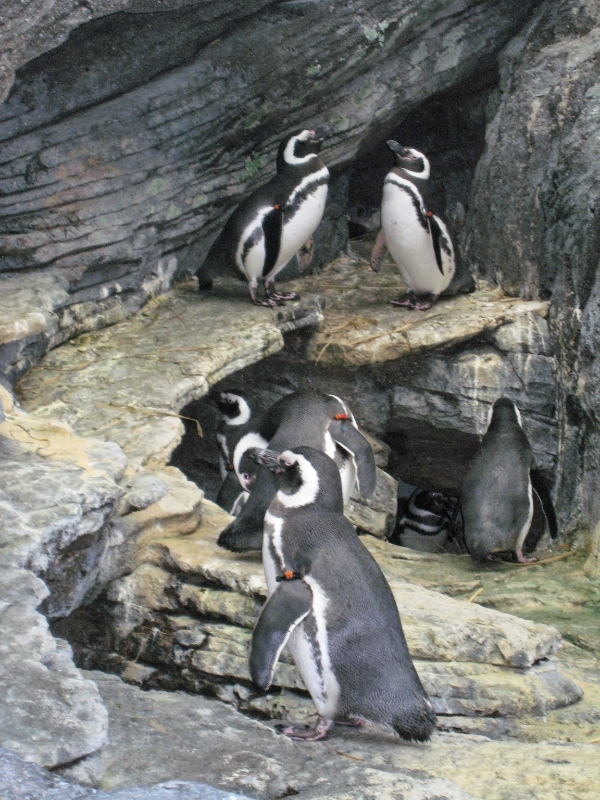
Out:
{"x": 417, "y": 722}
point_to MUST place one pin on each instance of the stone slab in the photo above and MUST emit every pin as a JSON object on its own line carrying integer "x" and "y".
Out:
{"x": 136, "y": 376}
{"x": 198, "y": 739}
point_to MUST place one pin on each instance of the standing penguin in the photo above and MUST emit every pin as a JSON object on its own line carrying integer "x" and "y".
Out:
{"x": 274, "y": 223}
{"x": 332, "y": 606}
{"x": 497, "y": 494}
{"x": 417, "y": 240}
{"x": 310, "y": 419}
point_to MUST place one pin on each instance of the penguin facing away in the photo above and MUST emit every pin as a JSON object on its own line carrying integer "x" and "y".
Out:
{"x": 331, "y": 605}
{"x": 275, "y": 223}
{"x": 417, "y": 240}
{"x": 497, "y": 494}
{"x": 304, "y": 418}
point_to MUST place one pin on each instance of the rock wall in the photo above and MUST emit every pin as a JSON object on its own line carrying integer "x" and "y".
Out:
{"x": 123, "y": 150}
{"x": 533, "y": 222}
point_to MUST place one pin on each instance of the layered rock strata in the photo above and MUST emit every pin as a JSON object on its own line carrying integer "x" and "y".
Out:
{"x": 123, "y": 151}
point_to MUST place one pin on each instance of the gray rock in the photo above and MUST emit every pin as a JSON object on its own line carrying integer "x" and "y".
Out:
{"x": 193, "y": 737}
{"x": 49, "y": 714}
{"x": 531, "y": 221}
{"x": 142, "y": 491}
{"x": 101, "y": 135}
{"x": 23, "y": 780}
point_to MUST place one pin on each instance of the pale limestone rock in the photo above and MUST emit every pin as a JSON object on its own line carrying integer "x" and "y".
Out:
{"x": 376, "y": 514}
{"x": 50, "y": 713}
{"x": 136, "y": 376}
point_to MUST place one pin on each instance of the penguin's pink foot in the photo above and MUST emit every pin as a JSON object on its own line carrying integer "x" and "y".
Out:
{"x": 279, "y": 297}
{"x": 270, "y": 302}
{"x": 304, "y": 733}
{"x": 525, "y": 559}
{"x": 423, "y": 305}
{"x": 305, "y": 254}
{"x": 352, "y": 722}
{"x": 404, "y": 302}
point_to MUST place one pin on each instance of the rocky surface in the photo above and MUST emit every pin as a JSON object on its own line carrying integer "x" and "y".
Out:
{"x": 57, "y": 492}
{"x": 193, "y": 736}
{"x": 22, "y": 780}
{"x": 124, "y": 150}
{"x": 183, "y": 618}
{"x": 536, "y": 231}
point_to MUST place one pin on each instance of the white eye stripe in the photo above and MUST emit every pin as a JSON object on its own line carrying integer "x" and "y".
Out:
{"x": 307, "y": 493}
{"x": 247, "y": 442}
{"x": 288, "y": 153}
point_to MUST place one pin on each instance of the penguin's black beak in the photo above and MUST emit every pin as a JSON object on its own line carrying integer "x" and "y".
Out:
{"x": 397, "y": 148}
{"x": 269, "y": 459}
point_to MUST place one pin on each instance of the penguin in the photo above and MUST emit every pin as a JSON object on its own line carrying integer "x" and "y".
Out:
{"x": 426, "y": 523}
{"x": 304, "y": 418}
{"x": 497, "y": 496}
{"x": 238, "y": 410}
{"x": 275, "y": 223}
{"x": 330, "y": 603}
{"x": 416, "y": 238}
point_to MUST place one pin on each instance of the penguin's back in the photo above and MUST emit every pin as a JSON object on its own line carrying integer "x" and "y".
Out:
{"x": 495, "y": 497}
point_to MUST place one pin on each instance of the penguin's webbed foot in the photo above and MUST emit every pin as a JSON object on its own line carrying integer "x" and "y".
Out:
{"x": 270, "y": 302}
{"x": 352, "y": 722}
{"x": 423, "y": 305}
{"x": 405, "y": 302}
{"x": 279, "y": 297}
{"x": 525, "y": 559}
{"x": 304, "y": 733}
{"x": 305, "y": 254}
{"x": 410, "y": 300}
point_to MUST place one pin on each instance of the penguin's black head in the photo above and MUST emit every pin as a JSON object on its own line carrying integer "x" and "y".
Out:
{"x": 504, "y": 411}
{"x": 297, "y": 149}
{"x": 409, "y": 159}
{"x": 234, "y": 407}
{"x": 305, "y": 477}
{"x": 247, "y": 469}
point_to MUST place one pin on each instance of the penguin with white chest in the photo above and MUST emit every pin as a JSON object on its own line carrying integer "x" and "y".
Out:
{"x": 272, "y": 225}
{"x": 497, "y": 494}
{"x": 417, "y": 240}
{"x": 331, "y": 605}
{"x": 239, "y": 411}
{"x": 304, "y": 418}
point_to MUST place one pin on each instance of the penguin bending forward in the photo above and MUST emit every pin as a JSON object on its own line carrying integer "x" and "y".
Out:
{"x": 426, "y": 523}
{"x": 272, "y": 225}
{"x": 417, "y": 239}
{"x": 332, "y": 606}
{"x": 239, "y": 411}
{"x": 304, "y": 418}
{"x": 497, "y": 494}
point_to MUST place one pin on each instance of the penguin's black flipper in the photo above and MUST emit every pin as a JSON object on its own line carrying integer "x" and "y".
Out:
{"x": 343, "y": 432}
{"x": 272, "y": 226}
{"x": 230, "y": 497}
{"x": 289, "y": 604}
{"x": 540, "y": 486}
{"x": 436, "y": 237}
{"x": 246, "y": 531}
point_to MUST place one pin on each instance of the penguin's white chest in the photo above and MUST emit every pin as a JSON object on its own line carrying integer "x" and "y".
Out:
{"x": 409, "y": 241}
{"x": 309, "y": 642}
{"x": 305, "y": 211}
